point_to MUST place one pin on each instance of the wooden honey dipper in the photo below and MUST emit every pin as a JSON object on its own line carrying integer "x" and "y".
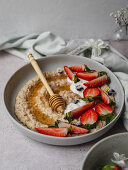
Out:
{"x": 55, "y": 100}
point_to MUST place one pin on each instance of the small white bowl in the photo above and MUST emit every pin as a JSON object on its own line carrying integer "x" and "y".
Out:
{"x": 102, "y": 152}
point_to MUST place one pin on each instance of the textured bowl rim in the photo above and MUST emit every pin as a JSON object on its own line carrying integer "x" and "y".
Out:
{"x": 62, "y": 138}
{"x": 98, "y": 143}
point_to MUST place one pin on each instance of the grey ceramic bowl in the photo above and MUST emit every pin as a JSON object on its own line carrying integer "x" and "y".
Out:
{"x": 21, "y": 76}
{"x": 102, "y": 152}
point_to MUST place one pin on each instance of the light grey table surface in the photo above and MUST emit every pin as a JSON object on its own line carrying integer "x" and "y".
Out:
{"x": 18, "y": 152}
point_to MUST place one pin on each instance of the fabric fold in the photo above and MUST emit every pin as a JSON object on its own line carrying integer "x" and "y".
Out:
{"x": 47, "y": 43}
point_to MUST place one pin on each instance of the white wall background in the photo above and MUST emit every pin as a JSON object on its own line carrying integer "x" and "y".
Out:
{"x": 67, "y": 18}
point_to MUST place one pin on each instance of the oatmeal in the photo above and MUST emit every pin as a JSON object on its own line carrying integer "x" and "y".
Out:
{"x": 32, "y": 102}
{"x": 88, "y": 99}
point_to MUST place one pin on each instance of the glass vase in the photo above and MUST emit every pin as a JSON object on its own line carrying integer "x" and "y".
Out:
{"x": 121, "y": 33}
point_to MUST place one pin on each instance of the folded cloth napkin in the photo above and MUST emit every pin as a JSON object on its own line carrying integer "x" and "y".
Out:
{"x": 42, "y": 45}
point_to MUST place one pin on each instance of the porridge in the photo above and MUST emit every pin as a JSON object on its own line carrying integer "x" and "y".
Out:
{"x": 89, "y": 102}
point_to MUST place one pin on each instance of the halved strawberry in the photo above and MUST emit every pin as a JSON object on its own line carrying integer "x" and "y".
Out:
{"x": 93, "y": 92}
{"x": 97, "y": 82}
{"x": 76, "y": 113}
{"x": 75, "y": 129}
{"x": 89, "y": 117}
{"x": 59, "y": 132}
{"x": 105, "y": 98}
{"x": 69, "y": 73}
{"x": 103, "y": 109}
{"x": 88, "y": 76}
{"x": 78, "y": 68}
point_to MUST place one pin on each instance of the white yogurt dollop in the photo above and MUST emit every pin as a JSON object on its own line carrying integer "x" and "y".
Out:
{"x": 68, "y": 79}
{"x": 73, "y": 106}
{"x": 74, "y": 89}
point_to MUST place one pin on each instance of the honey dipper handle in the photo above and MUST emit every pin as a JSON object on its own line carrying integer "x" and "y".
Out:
{"x": 40, "y": 74}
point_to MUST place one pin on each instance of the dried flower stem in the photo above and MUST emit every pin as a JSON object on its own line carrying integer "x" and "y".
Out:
{"x": 121, "y": 17}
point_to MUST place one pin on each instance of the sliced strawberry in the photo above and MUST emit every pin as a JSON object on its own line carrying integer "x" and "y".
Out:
{"x": 93, "y": 92}
{"x": 79, "y": 111}
{"x": 75, "y": 129}
{"x": 88, "y": 76}
{"x": 59, "y": 132}
{"x": 78, "y": 68}
{"x": 97, "y": 82}
{"x": 89, "y": 117}
{"x": 105, "y": 98}
{"x": 103, "y": 109}
{"x": 69, "y": 73}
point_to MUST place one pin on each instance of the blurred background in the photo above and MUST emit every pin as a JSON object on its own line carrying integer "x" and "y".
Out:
{"x": 68, "y": 18}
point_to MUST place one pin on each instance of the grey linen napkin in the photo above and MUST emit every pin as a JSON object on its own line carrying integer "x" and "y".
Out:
{"x": 47, "y": 43}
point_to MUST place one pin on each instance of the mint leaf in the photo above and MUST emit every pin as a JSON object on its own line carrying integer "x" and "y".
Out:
{"x": 57, "y": 123}
{"x": 76, "y": 79}
{"x": 88, "y": 99}
{"x": 108, "y": 118}
{"x": 68, "y": 117}
{"x": 108, "y": 80}
{"x": 89, "y": 126}
{"x": 97, "y": 98}
{"x": 112, "y": 103}
{"x": 70, "y": 129}
{"x": 88, "y": 69}
{"x": 101, "y": 73}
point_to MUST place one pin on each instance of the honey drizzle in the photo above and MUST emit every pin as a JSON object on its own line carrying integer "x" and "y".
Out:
{"x": 62, "y": 88}
{"x": 41, "y": 117}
